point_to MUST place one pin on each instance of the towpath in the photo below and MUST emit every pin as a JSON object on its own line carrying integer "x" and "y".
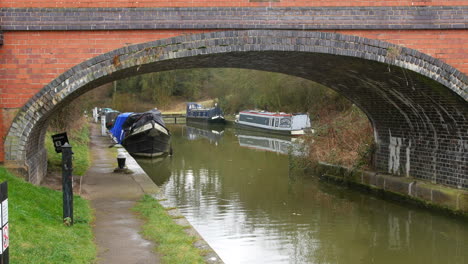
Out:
{"x": 112, "y": 196}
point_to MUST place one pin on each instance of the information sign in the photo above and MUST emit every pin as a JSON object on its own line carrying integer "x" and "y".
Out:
{"x": 59, "y": 140}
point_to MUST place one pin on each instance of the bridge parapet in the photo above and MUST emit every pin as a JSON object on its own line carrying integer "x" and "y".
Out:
{"x": 211, "y": 3}
{"x": 291, "y": 18}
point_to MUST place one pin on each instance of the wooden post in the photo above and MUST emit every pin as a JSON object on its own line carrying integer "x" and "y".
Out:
{"x": 67, "y": 187}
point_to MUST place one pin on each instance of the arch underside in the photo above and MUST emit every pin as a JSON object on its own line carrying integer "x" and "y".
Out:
{"x": 417, "y": 105}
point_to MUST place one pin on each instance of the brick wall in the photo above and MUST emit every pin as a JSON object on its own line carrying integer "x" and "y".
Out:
{"x": 450, "y": 46}
{"x": 42, "y": 39}
{"x": 30, "y": 60}
{"x": 420, "y": 123}
{"x": 222, "y": 3}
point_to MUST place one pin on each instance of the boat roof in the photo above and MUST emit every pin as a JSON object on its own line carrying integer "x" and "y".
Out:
{"x": 264, "y": 113}
{"x": 117, "y": 128}
{"x": 195, "y": 104}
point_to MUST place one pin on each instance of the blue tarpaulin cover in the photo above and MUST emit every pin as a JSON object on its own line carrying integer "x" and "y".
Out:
{"x": 116, "y": 130}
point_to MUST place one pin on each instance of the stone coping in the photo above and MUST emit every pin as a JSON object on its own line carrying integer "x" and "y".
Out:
{"x": 295, "y": 18}
{"x": 406, "y": 189}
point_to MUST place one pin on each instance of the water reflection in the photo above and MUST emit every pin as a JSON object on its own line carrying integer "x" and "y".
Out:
{"x": 270, "y": 142}
{"x": 246, "y": 206}
{"x": 159, "y": 166}
{"x": 213, "y": 133}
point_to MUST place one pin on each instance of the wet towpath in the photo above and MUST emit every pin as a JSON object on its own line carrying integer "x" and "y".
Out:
{"x": 112, "y": 196}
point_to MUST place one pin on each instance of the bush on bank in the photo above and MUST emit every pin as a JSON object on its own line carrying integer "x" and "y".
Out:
{"x": 37, "y": 232}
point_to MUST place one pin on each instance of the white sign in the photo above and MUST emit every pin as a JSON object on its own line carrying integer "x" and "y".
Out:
{"x": 4, "y": 212}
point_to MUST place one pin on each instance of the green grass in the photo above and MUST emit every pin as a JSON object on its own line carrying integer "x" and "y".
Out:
{"x": 37, "y": 232}
{"x": 79, "y": 140}
{"x": 174, "y": 244}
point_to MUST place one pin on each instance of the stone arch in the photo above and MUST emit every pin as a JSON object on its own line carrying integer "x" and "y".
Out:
{"x": 416, "y": 103}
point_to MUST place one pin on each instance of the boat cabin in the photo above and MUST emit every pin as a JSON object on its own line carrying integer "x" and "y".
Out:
{"x": 196, "y": 112}
{"x": 282, "y": 122}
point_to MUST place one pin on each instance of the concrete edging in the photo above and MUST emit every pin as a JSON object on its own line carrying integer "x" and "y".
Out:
{"x": 406, "y": 189}
{"x": 150, "y": 188}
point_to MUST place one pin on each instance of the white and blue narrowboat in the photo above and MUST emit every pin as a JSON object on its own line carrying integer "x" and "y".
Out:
{"x": 278, "y": 123}
{"x": 197, "y": 113}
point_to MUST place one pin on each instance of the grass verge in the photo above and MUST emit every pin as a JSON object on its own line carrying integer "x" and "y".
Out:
{"x": 174, "y": 244}
{"x": 37, "y": 232}
{"x": 79, "y": 140}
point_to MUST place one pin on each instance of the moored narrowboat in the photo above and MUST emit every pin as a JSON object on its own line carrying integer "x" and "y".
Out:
{"x": 142, "y": 134}
{"x": 278, "y": 123}
{"x": 146, "y": 134}
{"x": 197, "y": 113}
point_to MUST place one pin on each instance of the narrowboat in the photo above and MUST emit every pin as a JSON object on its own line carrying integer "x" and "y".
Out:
{"x": 278, "y": 123}
{"x": 197, "y": 113}
{"x": 142, "y": 134}
{"x": 146, "y": 134}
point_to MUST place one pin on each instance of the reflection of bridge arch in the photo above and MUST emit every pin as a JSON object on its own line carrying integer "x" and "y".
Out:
{"x": 417, "y": 104}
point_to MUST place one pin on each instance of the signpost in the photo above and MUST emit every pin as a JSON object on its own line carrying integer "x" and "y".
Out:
{"x": 67, "y": 187}
{"x": 59, "y": 140}
{"x": 4, "y": 250}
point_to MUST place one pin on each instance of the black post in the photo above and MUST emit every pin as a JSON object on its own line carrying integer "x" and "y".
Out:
{"x": 5, "y": 237}
{"x": 67, "y": 187}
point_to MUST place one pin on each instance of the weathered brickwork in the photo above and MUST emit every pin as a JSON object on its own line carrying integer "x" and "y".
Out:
{"x": 417, "y": 104}
{"x": 223, "y": 3}
{"x": 31, "y": 60}
{"x": 299, "y": 18}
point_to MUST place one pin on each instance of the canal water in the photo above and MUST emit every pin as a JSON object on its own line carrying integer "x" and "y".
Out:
{"x": 240, "y": 191}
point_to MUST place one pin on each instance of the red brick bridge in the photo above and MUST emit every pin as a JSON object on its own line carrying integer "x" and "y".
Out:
{"x": 404, "y": 63}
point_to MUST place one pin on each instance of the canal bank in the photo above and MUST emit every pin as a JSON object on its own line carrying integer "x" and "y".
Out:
{"x": 404, "y": 189}
{"x": 113, "y": 195}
